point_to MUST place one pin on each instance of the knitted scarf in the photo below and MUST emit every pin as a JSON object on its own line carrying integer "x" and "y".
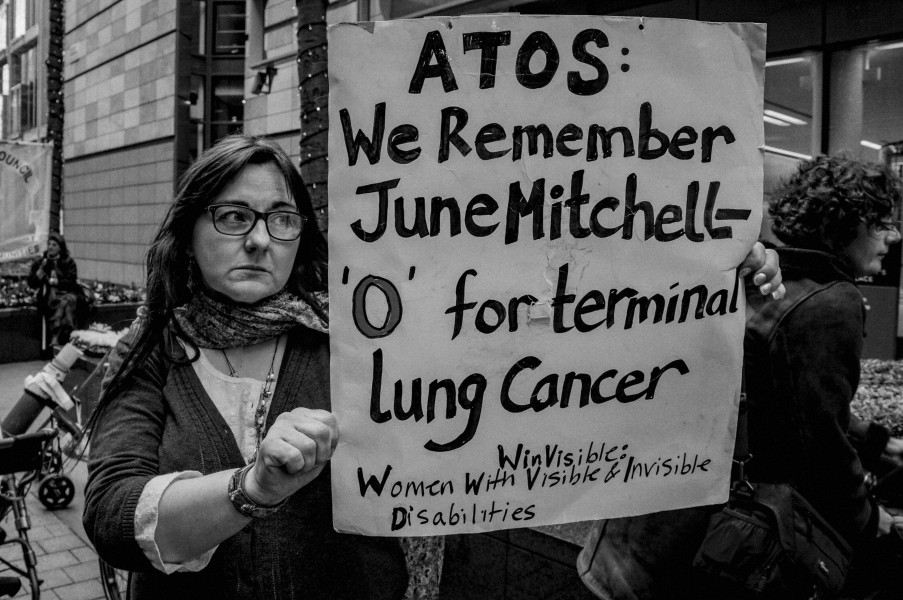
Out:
{"x": 210, "y": 323}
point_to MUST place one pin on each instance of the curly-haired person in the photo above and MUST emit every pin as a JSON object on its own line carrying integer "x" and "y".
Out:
{"x": 836, "y": 219}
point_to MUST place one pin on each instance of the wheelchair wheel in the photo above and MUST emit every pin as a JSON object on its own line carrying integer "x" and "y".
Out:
{"x": 56, "y": 491}
{"x": 114, "y": 581}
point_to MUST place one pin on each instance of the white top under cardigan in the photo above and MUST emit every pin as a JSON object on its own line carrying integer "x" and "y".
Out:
{"x": 236, "y": 400}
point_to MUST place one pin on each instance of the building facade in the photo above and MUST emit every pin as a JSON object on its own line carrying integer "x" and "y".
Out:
{"x": 149, "y": 83}
{"x": 24, "y": 26}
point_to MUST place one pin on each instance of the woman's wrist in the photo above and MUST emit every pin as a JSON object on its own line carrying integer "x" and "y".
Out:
{"x": 255, "y": 493}
{"x": 243, "y": 502}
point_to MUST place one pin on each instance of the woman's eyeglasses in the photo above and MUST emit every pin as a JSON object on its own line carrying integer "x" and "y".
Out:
{"x": 887, "y": 225}
{"x": 234, "y": 219}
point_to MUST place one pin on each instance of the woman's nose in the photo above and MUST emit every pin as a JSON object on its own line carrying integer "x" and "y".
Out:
{"x": 893, "y": 236}
{"x": 258, "y": 237}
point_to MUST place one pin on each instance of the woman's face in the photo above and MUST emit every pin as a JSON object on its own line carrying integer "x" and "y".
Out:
{"x": 251, "y": 266}
{"x": 53, "y": 248}
{"x": 871, "y": 245}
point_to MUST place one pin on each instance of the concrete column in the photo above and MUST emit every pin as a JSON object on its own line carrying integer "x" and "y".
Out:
{"x": 816, "y": 75}
{"x": 846, "y": 102}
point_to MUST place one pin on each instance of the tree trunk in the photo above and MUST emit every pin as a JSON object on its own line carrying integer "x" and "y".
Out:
{"x": 314, "y": 92}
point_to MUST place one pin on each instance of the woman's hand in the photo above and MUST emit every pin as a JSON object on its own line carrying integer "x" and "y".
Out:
{"x": 293, "y": 453}
{"x": 195, "y": 513}
{"x": 765, "y": 269}
{"x": 893, "y": 452}
{"x": 886, "y": 521}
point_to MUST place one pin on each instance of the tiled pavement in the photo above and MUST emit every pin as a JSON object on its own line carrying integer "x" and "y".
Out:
{"x": 66, "y": 562}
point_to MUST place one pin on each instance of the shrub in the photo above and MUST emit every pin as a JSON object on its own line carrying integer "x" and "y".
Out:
{"x": 14, "y": 292}
{"x": 879, "y": 395}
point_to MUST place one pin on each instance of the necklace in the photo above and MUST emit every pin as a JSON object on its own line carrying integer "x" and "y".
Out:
{"x": 263, "y": 403}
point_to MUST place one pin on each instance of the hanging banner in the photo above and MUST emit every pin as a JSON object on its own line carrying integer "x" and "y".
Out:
{"x": 25, "y": 171}
{"x": 534, "y": 229}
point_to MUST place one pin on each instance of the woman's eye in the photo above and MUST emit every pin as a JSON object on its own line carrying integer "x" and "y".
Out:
{"x": 233, "y": 216}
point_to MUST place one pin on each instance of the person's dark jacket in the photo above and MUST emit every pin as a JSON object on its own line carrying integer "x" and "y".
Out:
{"x": 66, "y": 273}
{"x": 802, "y": 363}
{"x": 165, "y": 422}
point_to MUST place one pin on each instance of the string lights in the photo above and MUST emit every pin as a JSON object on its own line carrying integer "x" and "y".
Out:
{"x": 313, "y": 93}
{"x": 55, "y": 109}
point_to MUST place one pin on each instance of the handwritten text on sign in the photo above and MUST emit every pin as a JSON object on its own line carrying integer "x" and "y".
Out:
{"x": 533, "y": 227}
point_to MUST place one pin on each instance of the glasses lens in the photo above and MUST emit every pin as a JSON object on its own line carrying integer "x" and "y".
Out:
{"x": 233, "y": 220}
{"x": 285, "y": 226}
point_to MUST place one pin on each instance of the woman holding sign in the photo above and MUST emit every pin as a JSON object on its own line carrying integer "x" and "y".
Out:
{"x": 209, "y": 472}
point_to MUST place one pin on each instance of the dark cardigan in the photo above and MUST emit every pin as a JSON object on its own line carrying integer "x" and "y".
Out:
{"x": 166, "y": 422}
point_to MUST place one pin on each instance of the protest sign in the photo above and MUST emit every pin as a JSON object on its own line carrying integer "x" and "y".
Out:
{"x": 24, "y": 198}
{"x": 534, "y": 224}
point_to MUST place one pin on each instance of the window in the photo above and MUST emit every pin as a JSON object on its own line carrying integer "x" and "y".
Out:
{"x": 23, "y": 16}
{"x": 3, "y": 32}
{"x": 4, "y": 100}
{"x": 792, "y": 87}
{"x": 792, "y": 115}
{"x": 15, "y": 113}
{"x": 201, "y": 47}
{"x": 229, "y": 28}
{"x": 228, "y": 97}
{"x": 216, "y": 97}
{"x": 4, "y": 72}
{"x": 28, "y": 90}
{"x": 197, "y": 102}
{"x": 228, "y": 106}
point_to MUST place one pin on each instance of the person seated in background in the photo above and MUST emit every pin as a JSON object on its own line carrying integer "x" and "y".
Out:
{"x": 55, "y": 276}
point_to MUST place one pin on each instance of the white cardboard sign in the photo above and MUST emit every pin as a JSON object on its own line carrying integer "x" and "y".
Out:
{"x": 534, "y": 224}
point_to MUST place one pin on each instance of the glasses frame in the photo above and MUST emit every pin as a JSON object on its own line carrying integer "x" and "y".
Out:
{"x": 886, "y": 226}
{"x": 257, "y": 216}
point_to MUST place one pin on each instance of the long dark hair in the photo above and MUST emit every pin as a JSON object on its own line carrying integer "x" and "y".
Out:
{"x": 168, "y": 260}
